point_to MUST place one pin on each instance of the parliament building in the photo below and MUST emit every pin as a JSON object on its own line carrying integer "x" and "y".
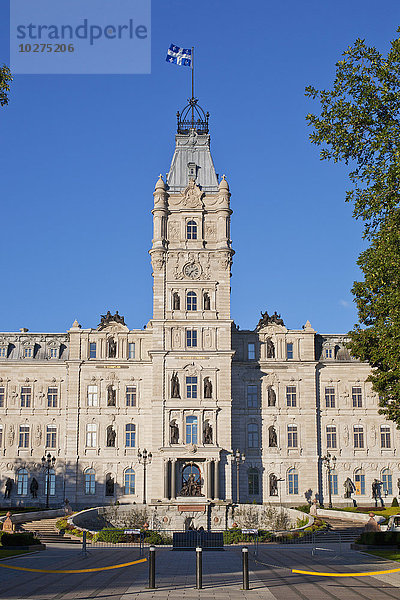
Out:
{"x": 224, "y": 414}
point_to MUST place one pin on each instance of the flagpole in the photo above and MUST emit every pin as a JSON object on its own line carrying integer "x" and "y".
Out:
{"x": 192, "y": 84}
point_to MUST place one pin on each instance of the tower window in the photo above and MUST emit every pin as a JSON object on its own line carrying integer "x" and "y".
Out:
{"x": 191, "y": 430}
{"x": 289, "y": 351}
{"x": 191, "y": 338}
{"x": 132, "y": 350}
{"x": 92, "y": 350}
{"x": 191, "y": 387}
{"x": 191, "y": 301}
{"x": 191, "y": 230}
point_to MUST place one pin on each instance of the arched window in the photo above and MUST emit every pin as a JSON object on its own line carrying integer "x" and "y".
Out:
{"x": 293, "y": 481}
{"x": 359, "y": 482}
{"x": 254, "y": 481}
{"x": 387, "y": 482}
{"x": 129, "y": 481}
{"x": 90, "y": 482}
{"x": 191, "y": 301}
{"x": 191, "y": 230}
{"x": 292, "y": 438}
{"x": 22, "y": 482}
{"x": 130, "y": 435}
{"x": 52, "y": 482}
{"x": 334, "y": 483}
{"x": 252, "y": 436}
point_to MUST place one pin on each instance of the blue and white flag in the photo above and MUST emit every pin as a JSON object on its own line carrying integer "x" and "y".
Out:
{"x": 179, "y": 56}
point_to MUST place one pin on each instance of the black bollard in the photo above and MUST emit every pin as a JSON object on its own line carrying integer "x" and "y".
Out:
{"x": 199, "y": 568}
{"x": 84, "y": 547}
{"x": 152, "y": 567}
{"x": 245, "y": 557}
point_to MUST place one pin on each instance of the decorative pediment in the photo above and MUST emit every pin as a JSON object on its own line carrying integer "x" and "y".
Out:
{"x": 192, "y": 195}
{"x": 112, "y": 323}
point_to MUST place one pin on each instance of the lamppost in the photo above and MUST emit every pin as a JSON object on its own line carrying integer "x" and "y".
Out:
{"x": 144, "y": 459}
{"x": 238, "y": 458}
{"x": 327, "y": 462}
{"x": 48, "y": 463}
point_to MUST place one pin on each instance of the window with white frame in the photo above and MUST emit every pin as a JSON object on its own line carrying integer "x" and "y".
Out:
{"x": 91, "y": 435}
{"x": 328, "y": 353}
{"x": 51, "y": 478}
{"x": 191, "y": 430}
{"x": 51, "y": 436}
{"x": 28, "y": 352}
{"x": 289, "y": 350}
{"x": 191, "y": 387}
{"x": 191, "y": 301}
{"x": 334, "y": 483}
{"x": 191, "y": 230}
{"x": 331, "y": 439}
{"x": 130, "y": 435}
{"x": 129, "y": 482}
{"x": 359, "y": 482}
{"x": 90, "y": 482}
{"x": 252, "y": 396}
{"x": 53, "y": 353}
{"x": 92, "y": 395}
{"x": 358, "y": 433}
{"x": 131, "y": 349}
{"x": 330, "y": 399}
{"x": 2, "y": 396}
{"x": 26, "y": 397}
{"x": 356, "y": 396}
{"x": 52, "y": 397}
{"x": 3, "y": 351}
{"x": 191, "y": 338}
{"x": 22, "y": 482}
{"x": 387, "y": 482}
{"x": 252, "y": 436}
{"x": 251, "y": 351}
{"x": 23, "y": 441}
{"x": 292, "y": 436}
{"x": 131, "y": 395}
{"x": 385, "y": 436}
{"x": 293, "y": 482}
{"x": 92, "y": 350}
{"x": 291, "y": 395}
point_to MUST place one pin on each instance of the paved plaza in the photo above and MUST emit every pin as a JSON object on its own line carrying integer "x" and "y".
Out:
{"x": 270, "y": 575}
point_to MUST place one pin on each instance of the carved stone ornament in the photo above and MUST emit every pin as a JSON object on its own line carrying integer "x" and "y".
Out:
{"x": 192, "y": 448}
{"x": 11, "y": 435}
{"x": 38, "y": 435}
{"x": 192, "y": 195}
{"x": 157, "y": 260}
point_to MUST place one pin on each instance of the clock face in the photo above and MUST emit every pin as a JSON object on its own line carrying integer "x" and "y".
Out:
{"x": 191, "y": 270}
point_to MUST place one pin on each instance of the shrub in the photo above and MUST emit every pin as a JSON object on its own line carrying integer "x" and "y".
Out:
{"x": 379, "y": 538}
{"x": 395, "y": 502}
{"x": 62, "y": 524}
{"x": 19, "y": 539}
{"x": 159, "y": 539}
{"x": 112, "y": 536}
{"x": 303, "y": 508}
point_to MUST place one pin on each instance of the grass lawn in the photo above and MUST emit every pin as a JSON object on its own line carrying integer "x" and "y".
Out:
{"x": 388, "y": 554}
{"x": 7, "y": 553}
{"x": 384, "y": 512}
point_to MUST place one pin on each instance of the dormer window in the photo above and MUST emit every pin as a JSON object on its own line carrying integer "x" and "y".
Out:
{"x": 191, "y": 170}
{"x": 28, "y": 352}
{"x": 191, "y": 230}
{"x": 53, "y": 353}
{"x": 3, "y": 351}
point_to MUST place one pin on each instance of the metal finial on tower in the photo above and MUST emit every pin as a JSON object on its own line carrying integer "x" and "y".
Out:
{"x": 192, "y": 117}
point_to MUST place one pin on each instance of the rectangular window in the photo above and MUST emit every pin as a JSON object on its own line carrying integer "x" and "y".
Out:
{"x": 357, "y": 397}
{"x": 1, "y": 436}
{"x": 2, "y": 396}
{"x": 92, "y": 350}
{"x": 52, "y": 397}
{"x": 23, "y": 441}
{"x": 291, "y": 399}
{"x": 28, "y": 352}
{"x": 289, "y": 350}
{"x": 385, "y": 436}
{"x": 334, "y": 484}
{"x": 191, "y": 430}
{"x": 251, "y": 351}
{"x": 359, "y": 482}
{"x": 52, "y": 482}
{"x": 252, "y": 396}
{"x": 191, "y": 338}
{"x": 131, "y": 349}
{"x": 387, "y": 482}
{"x": 331, "y": 436}
{"x": 358, "y": 436}
{"x": 330, "y": 397}
{"x": 328, "y": 353}
{"x": 53, "y": 352}
{"x": 130, "y": 435}
{"x": 3, "y": 352}
{"x": 252, "y": 436}
{"x": 293, "y": 482}
{"x": 191, "y": 387}
{"x": 91, "y": 435}
{"x": 292, "y": 436}
{"x": 131, "y": 395}
{"x": 51, "y": 436}
{"x": 26, "y": 397}
{"x": 92, "y": 395}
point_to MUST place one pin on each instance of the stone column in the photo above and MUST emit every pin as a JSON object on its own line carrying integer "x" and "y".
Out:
{"x": 216, "y": 479}
{"x": 166, "y": 478}
{"x": 173, "y": 479}
{"x": 208, "y": 471}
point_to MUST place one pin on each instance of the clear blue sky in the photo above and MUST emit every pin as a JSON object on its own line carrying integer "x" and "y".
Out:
{"x": 80, "y": 156}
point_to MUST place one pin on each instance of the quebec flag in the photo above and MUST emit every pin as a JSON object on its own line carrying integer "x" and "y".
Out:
{"x": 179, "y": 56}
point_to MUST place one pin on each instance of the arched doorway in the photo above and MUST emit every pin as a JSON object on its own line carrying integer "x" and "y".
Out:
{"x": 191, "y": 480}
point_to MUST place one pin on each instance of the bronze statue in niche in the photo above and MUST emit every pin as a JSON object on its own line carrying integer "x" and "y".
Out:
{"x": 175, "y": 388}
{"x": 112, "y": 348}
{"x": 207, "y": 388}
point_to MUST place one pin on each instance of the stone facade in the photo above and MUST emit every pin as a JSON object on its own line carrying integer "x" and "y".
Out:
{"x": 191, "y": 387}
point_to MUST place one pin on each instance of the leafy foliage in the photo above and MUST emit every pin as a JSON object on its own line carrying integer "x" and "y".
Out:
{"x": 379, "y": 538}
{"x": 5, "y": 78}
{"x": 395, "y": 502}
{"x": 19, "y": 539}
{"x": 359, "y": 124}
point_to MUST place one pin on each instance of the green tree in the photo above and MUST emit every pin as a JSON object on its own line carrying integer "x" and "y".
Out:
{"x": 5, "y": 78}
{"x": 359, "y": 124}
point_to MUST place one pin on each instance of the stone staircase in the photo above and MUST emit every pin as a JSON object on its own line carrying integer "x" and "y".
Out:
{"x": 348, "y": 531}
{"x": 47, "y": 532}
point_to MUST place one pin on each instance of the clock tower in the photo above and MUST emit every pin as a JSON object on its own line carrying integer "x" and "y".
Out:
{"x": 191, "y": 257}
